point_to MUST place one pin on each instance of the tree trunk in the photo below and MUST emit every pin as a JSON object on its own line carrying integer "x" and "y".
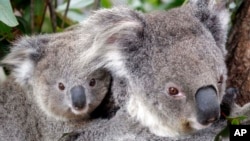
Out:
{"x": 238, "y": 60}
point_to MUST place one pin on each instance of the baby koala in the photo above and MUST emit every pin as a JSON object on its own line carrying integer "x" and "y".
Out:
{"x": 48, "y": 68}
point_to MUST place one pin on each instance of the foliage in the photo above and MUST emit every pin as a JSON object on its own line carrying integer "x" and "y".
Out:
{"x": 224, "y": 133}
{"x": 7, "y": 15}
{"x": 236, "y": 120}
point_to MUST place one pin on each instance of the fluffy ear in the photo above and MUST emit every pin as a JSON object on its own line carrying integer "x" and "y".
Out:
{"x": 215, "y": 16}
{"x": 124, "y": 31}
{"x": 123, "y": 36}
{"x": 22, "y": 58}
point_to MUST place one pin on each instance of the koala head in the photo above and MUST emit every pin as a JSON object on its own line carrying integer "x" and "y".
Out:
{"x": 63, "y": 87}
{"x": 173, "y": 62}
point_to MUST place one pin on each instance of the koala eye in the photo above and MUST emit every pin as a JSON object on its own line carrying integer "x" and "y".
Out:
{"x": 220, "y": 79}
{"x": 92, "y": 82}
{"x": 173, "y": 91}
{"x": 61, "y": 86}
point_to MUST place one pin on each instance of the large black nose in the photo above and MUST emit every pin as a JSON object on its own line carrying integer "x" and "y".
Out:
{"x": 207, "y": 104}
{"x": 78, "y": 97}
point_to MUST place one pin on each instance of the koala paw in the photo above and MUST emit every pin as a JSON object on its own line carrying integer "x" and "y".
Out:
{"x": 228, "y": 101}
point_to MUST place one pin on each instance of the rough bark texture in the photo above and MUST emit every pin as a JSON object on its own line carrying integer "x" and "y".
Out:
{"x": 239, "y": 54}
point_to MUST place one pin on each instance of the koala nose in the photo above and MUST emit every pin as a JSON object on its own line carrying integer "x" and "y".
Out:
{"x": 207, "y": 104}
{"x": 78, "y": 97}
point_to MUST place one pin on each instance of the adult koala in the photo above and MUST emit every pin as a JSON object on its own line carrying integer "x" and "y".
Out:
{"x": 49, "y": 91}
{"x": 173, "y": 63}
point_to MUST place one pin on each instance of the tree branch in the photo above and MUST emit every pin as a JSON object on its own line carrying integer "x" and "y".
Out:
{"x": 52, "y": 15}
{"x": 32, "y": 24}
{"x": 65, "y": 14}
{"x": 96, "y": 4}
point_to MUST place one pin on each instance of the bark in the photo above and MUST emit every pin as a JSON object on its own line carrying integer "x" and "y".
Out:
{"x": 238, "y": 60}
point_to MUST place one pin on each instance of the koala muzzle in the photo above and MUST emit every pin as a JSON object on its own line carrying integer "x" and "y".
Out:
{"x": 207, "y": 104}
{"x": 78, "y": 97}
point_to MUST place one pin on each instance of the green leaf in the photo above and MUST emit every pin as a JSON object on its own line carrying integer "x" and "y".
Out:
{"x": 242, "y": 117}
{"x": 5, "y": 31}
{"x": 106, "y": 3}
{"x": 174, "y": 3}
{"x": 24, "y": 26}
{"x": 7, "y": 15}
{"x": 235, "y": 122}
{"x": 154, "y": 2}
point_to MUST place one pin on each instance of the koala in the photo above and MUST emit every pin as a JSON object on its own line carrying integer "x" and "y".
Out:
{"x": 62, "y": 87}
{"x": 49, "y": 91}
{"x": 21, "y": 118}
{"x": 174, "y": 66}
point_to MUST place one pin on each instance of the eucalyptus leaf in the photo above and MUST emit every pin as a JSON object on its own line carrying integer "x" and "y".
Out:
{"x": 106, "y": 3}
{"x": 242, "y": 117}
{"x": 235, "y": 122}
{"x": 7, "y": 16}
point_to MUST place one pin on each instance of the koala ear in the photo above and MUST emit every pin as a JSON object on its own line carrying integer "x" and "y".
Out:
{"x": 120, "y": 29}
{"x": 123, "y": 36}
{"x": 22, "y": 58}
{"x": 215, "y": 16}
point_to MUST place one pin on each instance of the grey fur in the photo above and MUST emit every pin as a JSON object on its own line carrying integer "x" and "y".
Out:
{"x": 22, "y": 120}
{"x": 38, "y": 64}
{"x": 123, "y": 128}
{"x": 237, "y": 110}
{"x": 42, "y": 62}
{"x": 153, "y": 52}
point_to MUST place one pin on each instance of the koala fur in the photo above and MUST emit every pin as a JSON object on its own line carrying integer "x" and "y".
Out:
{"x": 43, "y": 63}
{"x": 46, "y": 77}
{"x": 22, "y": 120}
{"x": 123, "y": 127}
{"x": 173, "y": 63}
{"x": 2, "y": 75}
{"x": 234, "y": 108}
